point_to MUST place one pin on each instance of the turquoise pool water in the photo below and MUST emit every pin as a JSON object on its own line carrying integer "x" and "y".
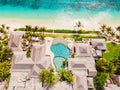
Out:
{"x": 61, "y": 53}
{"x": 58, "y": 61}
{"x": 60, "y": 50}
{"x": 61, "y": 11}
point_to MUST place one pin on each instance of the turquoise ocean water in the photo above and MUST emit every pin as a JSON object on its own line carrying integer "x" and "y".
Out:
{"x": 63, "y": 13}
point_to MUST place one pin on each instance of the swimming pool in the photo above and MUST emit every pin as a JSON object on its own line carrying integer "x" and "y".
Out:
{"x": 58, "y": 61}
{"x": 61, "y": 53}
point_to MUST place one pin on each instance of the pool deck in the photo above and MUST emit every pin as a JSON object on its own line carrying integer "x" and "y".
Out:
{"x": 60, "y": 40}
{"x": 48, "y": 43}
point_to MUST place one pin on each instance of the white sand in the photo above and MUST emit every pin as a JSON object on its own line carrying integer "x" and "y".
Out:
{"x": 68, "y": 23}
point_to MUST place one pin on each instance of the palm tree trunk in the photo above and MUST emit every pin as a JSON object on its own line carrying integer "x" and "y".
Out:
{"x": 48, "y": 87}
{"x": 72, "y": 87}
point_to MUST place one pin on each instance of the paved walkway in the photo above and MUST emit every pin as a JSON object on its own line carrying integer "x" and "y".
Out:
{"x": 2, "y": 86}
{"x": 74, "y": 34}
{"x": 48, "y": 43}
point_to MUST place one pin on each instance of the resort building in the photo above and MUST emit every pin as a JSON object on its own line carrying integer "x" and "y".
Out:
{"x": 111, "y": 87}
{"x": 23, "y": 69}
{"x": 83, "y": 66}
{"x": 115, "y": 85}
{"x": 15, "y": 41}
{"x": 116, "y": 79}
{"x": 99, "y": 44}
{"x": 52, "y": 52}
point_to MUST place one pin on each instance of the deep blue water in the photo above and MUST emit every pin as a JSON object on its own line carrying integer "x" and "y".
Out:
{"x": 59, "y": 11}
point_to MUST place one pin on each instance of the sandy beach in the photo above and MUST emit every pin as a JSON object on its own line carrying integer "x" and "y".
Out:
{"x": 54, "y": 24}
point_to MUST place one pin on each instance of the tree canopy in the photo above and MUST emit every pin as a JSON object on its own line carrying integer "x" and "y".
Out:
{"x": 4, "y": 69}
{"x": 103, "y": 65}
{"x": 106, "y": 68}
{"x": 48, "y": 77}
{"x": 100, "y": 80}
{"x": 5, "y": 54}
{"x": 66, "y": 76}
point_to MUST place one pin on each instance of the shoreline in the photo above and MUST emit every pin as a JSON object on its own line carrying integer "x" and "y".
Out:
{"x": 18, "y": 23}
{"x": 62, "y": 17}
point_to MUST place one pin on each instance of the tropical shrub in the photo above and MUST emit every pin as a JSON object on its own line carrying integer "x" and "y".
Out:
{"x": 64, "y": 63}
{"x": 100, "y": 80}
{"x": 5, "y": 54}
{"x": 28, "y": 53}
{"x": 103, "y": 65}
{"x": 43, "y": 76}
{"x": 48, "y": 77}
{"x": 66, "y": 76}
{"x": 116, "y": 63}
{"x": 4, "y": 70}
{"x": 72, "y": 55}
{"x": 105, "y": 70}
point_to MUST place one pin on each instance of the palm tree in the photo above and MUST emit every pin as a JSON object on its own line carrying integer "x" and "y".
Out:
{"x": 4, "y": 69}
{"x": 48, "y": 77}
{"x": 3, "y": 26}
{"x": 64, "y": 63}
{"x": 118, "y": 37}
{"x": 43, "y": 29}
{"x": 66, "y": 76}
{"x": 51, "y": 80}
{"x": 43, "y": 75}
{"x": 103, "y": 28}
{"x": 36, "y": 28}
{"x": 26, "y": 28}
{"x": 79, "y": 25}
{"x": 29, "y": 27}
{"x": 28, "y": 53}
{"x": 5, "y": 54}
{"x": 108, "y": 30}
{"x": 112, "y": 34}
{"x": 118, "y": 28}
{"x": 7, "y": 28}
{"x": 2, "y": 30}
{"x": 41, "y": 37}
{"x": 5, "y": 39}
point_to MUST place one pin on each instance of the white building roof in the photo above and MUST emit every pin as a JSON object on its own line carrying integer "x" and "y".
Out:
{"x": 82, "y": 50}
{"x": 81, "y": 83}
{"x": 82, "y": 64}
{"x": 99, "y": 44}
{"x": 15, "y": 40}
{"x": 111, "y": 87}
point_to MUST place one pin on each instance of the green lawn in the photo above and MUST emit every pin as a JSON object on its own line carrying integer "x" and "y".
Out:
{"x": 72, "y": 31}
{"x": 63, "y": 31}
{"x": 113, "y": 51}
{"x": 79, "y": 37}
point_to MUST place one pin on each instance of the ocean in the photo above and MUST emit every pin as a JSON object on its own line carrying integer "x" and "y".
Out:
{"x": 60, "y": 13}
